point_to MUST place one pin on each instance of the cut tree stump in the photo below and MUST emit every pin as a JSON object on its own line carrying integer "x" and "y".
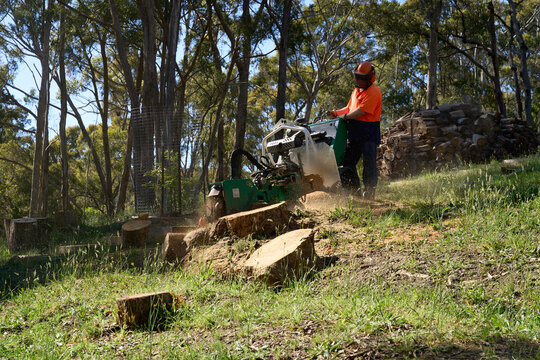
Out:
{"x": 288, "y": 256}
{"x": 27, "y": 233}
{"x": 198, "y": 237}
{"x": 135, "y": 233}
{"x": 262, "y": 221}
{"x": 149, "y": 310}
{"x": 174, "y": 247}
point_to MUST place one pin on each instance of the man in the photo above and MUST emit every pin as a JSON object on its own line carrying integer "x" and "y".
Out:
{"x": 363, "y": 128}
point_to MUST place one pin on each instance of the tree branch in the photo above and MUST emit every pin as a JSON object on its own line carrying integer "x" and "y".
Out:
{"x": 16, "y": 163}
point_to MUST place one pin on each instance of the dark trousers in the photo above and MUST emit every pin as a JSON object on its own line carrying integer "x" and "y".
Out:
{"x": 367, "y": 150}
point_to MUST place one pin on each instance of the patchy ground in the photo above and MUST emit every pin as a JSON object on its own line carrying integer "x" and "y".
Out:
{"x": 401, "y": 280}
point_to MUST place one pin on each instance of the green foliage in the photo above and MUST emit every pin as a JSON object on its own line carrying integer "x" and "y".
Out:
{"x": 326, "y": 40}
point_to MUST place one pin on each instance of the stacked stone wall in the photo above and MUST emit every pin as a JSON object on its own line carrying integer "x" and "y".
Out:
{"x": 448, "y": 135}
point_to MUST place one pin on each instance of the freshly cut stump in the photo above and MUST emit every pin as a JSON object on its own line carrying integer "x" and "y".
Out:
{"x": 262, "y": 221}
{"x": 288, "y": 256}
{"x": 174, "y": 247}
{"x": 135, "y": 233}
{"x": 198, "y": 237}
{"x": 146, "y": 310}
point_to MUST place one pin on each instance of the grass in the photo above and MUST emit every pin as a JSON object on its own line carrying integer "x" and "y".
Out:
{"x": 463, "y": 284}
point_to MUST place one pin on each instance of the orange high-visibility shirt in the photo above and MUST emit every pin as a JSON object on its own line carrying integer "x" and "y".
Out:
{"x": 369, "y": 100}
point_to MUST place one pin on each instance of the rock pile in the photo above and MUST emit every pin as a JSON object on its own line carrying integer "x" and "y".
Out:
{"x": 450, "y": 134}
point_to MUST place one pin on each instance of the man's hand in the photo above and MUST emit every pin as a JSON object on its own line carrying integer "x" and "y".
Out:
{"x": 332, "y": 114}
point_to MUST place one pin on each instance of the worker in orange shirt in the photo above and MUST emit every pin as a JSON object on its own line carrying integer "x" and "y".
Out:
{"x": 363, "y": 115}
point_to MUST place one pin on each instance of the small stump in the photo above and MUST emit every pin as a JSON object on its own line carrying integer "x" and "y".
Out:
{"x": 288, "y": 256}
{"x": 135, "y": 233}
{"x": 151, "y": 310}
{"x": 27, "y": 233}
{"x": 174, "y": 247}
{"x": 261, "y": 221}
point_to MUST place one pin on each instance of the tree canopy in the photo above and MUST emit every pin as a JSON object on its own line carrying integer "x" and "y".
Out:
{"x": 159, "y": 93}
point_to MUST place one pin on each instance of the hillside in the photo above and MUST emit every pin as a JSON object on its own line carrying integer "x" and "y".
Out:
{"x": 442, "y": 265}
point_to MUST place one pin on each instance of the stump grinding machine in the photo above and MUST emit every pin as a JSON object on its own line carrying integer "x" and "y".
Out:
{"x": 303, "y": 160}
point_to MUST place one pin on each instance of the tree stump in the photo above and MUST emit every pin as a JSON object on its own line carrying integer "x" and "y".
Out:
{"x": 288, "y": 256}
{"x": 135, "y": 233}
{"x": 146, "y": 310}
{"x": 174, "y": 247}
{"x": 27, "y": 233}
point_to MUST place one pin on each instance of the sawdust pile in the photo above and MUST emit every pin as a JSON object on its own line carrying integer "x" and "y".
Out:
{"x": 320, "y": 200}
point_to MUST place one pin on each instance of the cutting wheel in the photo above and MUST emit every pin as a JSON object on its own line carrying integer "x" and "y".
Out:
{"x": 215, "y": 207}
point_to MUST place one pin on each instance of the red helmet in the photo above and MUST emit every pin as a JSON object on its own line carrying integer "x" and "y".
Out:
{"x": 365, "y": 71}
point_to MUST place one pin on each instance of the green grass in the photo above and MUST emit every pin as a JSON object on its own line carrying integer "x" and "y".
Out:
{"x": 471, "y": 291}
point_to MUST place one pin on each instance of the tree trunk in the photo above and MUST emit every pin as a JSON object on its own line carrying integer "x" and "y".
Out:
{"x": 172, "y": 141}
{"x": 433, "y": 53}
{"x": 243, "y": 86}
{"x": 145, "y": 129}
{"x": 124, "y": 181}
{"x": 220, "y": 172}
{"x": 42, "y": 114}
{"x": 524, "y": 68}
{"x": 44, "y": 179}
{"x": 178, "y": 136}
{"x": 311, "y": 97}
{"x": 212, "y": 139}
{"x": 123, "y": 57}
{"x": 517, "y": 86}
{"x": 64, "y": 185}
{"x": 282, "y": 71}
{"x": 133, "y": 97}
{"x": 495, "y": 61}
{"x": 109, "y": 200}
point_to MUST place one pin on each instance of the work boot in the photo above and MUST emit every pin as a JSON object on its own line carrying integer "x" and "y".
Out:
{"x": 369, "y": 193}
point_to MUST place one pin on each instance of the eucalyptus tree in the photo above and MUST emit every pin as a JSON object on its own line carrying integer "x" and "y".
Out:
{"x": 517, "y": 32}
{"x": 334, "y": 38}
{"x": 245, "y": 28}
{"x": 196, "y": 23}
{"x": 472, "y": 32}
{"x": 434, "y": 16}
{"x": 15, "y": 155}
{"x": 281, "y": 15}
{"x": 27, "y": 33}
